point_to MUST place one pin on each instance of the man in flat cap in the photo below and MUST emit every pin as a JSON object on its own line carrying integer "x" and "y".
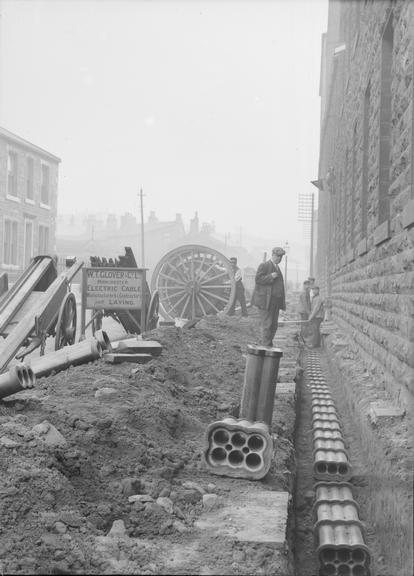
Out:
{"x": 269, "y": 295}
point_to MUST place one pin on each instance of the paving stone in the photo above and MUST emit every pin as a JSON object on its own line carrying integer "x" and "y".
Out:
{"x": 259, "y": 516}
{"x": 383, "y": 409}
{"x": 285, "y": 388}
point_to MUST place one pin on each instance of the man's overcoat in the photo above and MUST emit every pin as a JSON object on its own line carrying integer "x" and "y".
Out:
{"x": 266, "y": 285}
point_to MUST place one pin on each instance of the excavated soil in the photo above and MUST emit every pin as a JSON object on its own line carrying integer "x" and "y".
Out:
{"x": 74, "y": 449}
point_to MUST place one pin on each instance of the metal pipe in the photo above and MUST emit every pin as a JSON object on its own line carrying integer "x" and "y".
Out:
{"x": 251, "y": 386}
{"x": 102, "y": 337}
{"x": 18, "y": 378}
{"x": 265, "y": 402}
{"x": 80, "y": 353}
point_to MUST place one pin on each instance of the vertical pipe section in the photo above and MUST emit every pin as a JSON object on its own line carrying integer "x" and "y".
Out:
{"x": 264, "y": 411}
{"x": 252, "y": 378}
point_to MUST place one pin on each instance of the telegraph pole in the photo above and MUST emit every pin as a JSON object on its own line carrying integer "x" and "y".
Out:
{"x": 141, "y": 196}
{"x": 311, "y": 238}
{"x": 286, "y": 247}
{"x": 306, "y": 207}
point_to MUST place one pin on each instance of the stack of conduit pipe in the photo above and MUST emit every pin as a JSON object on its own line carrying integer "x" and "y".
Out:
{"x": 243, "y": 448}
{"x": 339, "y": 531}
{"x": 18, "y": 378}
{"x": 330, "y": 457}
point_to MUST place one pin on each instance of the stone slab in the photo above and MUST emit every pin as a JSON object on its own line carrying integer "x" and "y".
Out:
{"x": 362, "y": 247}
{"x": 257, "y": 517}
{"x": 384, "y": 409}
{"x": 285, "y": 388}
{"x": 382, "y": 232}
{"x": 408, "y": 215}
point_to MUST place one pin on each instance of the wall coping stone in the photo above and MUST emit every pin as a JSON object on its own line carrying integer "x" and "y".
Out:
{"x": 350, "y": 255}
{"x": 408, "y": 214}
{"x": 382, "y": 232}
{"x": 362, "y": 247}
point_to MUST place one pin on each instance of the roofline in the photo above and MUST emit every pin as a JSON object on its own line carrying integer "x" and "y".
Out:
{"x": 27, "y": 144}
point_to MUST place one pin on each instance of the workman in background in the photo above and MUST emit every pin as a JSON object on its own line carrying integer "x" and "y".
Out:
{"x": 269, "y": 294}
{"x": 316, "y": 317}
{"x": 239, "y": 295}
{"x": 304, "y": 308}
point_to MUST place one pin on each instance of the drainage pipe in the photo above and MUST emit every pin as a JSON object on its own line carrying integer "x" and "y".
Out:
{"x": 265, "y": 402}
{"x": 17, "y": 378}
{"x": 80, "y": 353}
{"x": 252, "y": 379}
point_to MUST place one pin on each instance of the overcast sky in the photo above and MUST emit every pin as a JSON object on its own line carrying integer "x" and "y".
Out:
{"x": 208, "y": 105}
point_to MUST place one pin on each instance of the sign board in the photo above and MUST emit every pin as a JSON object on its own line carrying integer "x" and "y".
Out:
{"x": 112, "y": 289}
{"x": 115, "y": 288}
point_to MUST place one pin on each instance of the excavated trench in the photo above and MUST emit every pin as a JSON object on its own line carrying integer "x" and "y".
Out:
{"x": 374, "y": 504}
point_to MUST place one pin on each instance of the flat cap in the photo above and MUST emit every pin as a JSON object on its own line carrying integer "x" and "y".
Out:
{"x": 278, "y": 251}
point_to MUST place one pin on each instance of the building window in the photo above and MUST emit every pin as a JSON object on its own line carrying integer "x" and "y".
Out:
{"x": 12, "y": 173}
{"x": 29, "y": 178}
{"x": 353, "y": 185}
{"x": 28, "y": 241}
{"x": 345, "y": 192}
{"x": 385, "y": 122}
{"x": 45, "y": 184}
{"x": 10, "y": 242}
{"x": 43, "y": 239}
{"x": 365, "y": 156}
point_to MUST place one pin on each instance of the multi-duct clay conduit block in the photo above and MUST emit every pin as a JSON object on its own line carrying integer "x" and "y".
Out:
{"x": 238, "y": 448}
{"x": 16, "y": 379}
{"x": 320, "y": 409}
{"x": 331, "y": 465}
{"x": 323, "y": 434}
{"x": 341, "y": 547}
{"x": 333, "y": 444}
{"x": 341, "y": 550}
{"x": 322, "y": 402}
{"x": 325, "y": 425}
{"x": 325, "y": 416}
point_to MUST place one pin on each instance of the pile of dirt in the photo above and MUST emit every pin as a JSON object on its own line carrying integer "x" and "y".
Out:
{"x": 101, "y": 463}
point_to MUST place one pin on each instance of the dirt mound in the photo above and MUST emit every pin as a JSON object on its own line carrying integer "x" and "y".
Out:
{"x": 100, "y": 453}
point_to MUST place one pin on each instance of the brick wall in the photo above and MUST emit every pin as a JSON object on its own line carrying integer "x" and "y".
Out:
{"x": 22, "y": 208}
{"x": 365, "y": 249}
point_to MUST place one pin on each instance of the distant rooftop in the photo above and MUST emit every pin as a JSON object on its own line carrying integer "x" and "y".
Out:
{"x": 22, "y": 142}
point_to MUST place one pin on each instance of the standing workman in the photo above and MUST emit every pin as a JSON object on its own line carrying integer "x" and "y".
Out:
{"x": 316, "y": 317}
{"x": 269, "y": 294}
{"x": 304, "y": 307}
{"x": 239, "y": 295}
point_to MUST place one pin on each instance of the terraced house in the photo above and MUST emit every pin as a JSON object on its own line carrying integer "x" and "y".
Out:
{"x": 28, "y": 202}
{"x": 365, "y": 245}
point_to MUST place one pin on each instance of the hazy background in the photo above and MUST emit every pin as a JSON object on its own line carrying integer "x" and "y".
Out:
{"x": 208, "y": 105}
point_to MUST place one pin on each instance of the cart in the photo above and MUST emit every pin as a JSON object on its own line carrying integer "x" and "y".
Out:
{"x": 39, "y": 304}
{"x": 134, "y": 321}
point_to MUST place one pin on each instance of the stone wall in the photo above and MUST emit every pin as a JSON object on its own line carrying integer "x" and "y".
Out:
{"x": 365, "y": 251}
